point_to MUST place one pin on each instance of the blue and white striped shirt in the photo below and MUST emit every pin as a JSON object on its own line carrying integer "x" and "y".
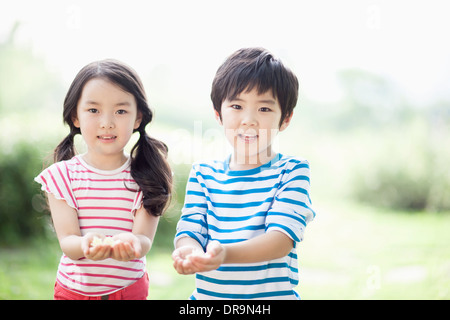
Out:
{"x": 232, "y": 206}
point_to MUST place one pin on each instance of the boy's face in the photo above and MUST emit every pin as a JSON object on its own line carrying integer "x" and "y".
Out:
{"x": 251, "y": 122}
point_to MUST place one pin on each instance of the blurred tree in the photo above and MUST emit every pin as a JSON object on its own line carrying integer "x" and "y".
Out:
{"x": 26, "y": 87}
{"x": 369, "y": 100}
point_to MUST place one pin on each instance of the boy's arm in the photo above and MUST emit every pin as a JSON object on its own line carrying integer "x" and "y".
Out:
{"x": 268, "y": 246}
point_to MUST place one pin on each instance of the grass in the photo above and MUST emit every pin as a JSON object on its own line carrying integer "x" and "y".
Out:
{"x": 355, "y": 252}
{"x": 350, "y": 252}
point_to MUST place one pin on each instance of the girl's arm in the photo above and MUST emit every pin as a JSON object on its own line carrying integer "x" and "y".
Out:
{"x": 65, "y": 222}
{"x": 136, "y": 244}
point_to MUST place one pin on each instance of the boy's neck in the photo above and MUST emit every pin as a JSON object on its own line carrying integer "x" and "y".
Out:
{"x": 239, "y": 163}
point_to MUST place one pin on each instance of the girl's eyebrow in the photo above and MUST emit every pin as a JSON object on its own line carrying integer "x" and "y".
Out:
{"x": 119, "y": 104}
{"x": 125, "y": 104}
{"x": 91, "y": 102}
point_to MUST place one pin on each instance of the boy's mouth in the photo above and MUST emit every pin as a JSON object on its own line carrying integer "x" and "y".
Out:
{"x": 248, "y": 137}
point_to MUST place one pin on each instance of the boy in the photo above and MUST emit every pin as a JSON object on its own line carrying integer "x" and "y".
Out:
{"x": 243, "y": 217}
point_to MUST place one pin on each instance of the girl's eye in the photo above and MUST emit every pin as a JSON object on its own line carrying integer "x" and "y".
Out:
{"x": 235, "y": 106}
{"x": 121, "y": 111}
{"x": 265, "y": 109}
{"x": 92, "y": 110}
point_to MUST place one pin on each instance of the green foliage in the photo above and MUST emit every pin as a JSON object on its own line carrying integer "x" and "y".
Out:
{"x": 22, "y": 208}
{"x": 407, "y": 171}
{"x": 168, "y": 222}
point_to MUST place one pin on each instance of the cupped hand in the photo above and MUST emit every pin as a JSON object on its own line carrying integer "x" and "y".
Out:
{"x": 126, "y": 247}
{"x": 95, "y": 252}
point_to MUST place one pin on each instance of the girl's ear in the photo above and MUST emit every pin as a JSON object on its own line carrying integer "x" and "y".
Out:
{"x": 75, "y": 122}
{"x": 138, "y": 121}
{"x": 286, "y": 122}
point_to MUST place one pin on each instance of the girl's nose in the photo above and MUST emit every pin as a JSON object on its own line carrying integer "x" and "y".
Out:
{"x": 107, "y": 122}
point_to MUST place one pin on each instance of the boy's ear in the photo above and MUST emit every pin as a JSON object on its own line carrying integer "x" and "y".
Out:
{"x": 286, "y": 122}
{"x": 218, "y": 117}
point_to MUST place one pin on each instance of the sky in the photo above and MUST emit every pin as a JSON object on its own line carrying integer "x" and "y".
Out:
{"x": 180, "y": 44}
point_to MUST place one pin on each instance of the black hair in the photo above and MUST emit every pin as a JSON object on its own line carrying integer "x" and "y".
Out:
{"x": 149, "y": 166}
{"x": 248, "y": 68}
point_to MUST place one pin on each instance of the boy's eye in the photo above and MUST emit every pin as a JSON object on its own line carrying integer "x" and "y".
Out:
{"x": 235, "y": 106}
{"x": 265, "y": 109}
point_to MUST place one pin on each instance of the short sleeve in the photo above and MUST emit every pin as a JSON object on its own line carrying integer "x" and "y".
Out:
{"x": 138, "y": 202}
{"x": 292, "y": 209}
{"x": 56, "y": 181}
{"x": 192, "y": 222}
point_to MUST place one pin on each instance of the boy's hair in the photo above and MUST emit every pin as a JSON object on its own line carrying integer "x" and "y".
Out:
{"x": 248, "y": 68}
{"x": 149, "y": 166}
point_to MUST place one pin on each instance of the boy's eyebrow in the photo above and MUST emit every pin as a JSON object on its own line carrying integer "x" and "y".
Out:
{"x": 266, "y": 101}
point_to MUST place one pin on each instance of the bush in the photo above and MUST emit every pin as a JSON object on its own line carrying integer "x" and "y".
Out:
{"x": 407, "y": 171}
{"x": 22, "y": 207}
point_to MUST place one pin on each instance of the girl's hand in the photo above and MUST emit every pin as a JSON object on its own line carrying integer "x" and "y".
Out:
{"x": 95, "y": 252}
{"x": 127, "y": 248}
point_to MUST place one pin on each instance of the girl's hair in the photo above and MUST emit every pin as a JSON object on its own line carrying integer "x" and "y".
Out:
{"x": 250, "y": 68}
{"x": 149, "y": 166}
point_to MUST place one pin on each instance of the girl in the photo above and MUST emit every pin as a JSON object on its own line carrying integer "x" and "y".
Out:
{"x": 105, "y": 204}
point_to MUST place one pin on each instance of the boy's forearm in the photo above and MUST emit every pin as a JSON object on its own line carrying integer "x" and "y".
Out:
{"x": 188, "y": 241}
{"x": 269, "y": 246}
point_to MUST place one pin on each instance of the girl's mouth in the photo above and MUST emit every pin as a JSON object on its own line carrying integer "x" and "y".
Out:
{"x": 107, "y": 138}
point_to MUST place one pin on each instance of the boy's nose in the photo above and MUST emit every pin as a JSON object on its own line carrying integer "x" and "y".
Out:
{"x": 249, "y": 119}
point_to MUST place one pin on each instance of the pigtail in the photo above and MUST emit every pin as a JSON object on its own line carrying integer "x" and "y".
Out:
{"x": 66, "y": 148}
{"x": 151, "y": 171}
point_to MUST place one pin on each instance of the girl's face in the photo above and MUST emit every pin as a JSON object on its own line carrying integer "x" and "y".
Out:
{"x": 251, "y": 123}
{"x": 106, "y": 116}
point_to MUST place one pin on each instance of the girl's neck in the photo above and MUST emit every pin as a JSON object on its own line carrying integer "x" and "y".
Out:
{"x": 105, "y": 162}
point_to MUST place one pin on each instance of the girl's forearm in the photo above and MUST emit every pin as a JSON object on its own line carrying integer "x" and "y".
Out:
{"x": 146, "y": 244}
{"x": 269, "y": 246}
{"x": 71, "y": 246}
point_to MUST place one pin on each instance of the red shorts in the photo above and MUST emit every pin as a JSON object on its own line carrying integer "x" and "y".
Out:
{"x": 136, "y": 291}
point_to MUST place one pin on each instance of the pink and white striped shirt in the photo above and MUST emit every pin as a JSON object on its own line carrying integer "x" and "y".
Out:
{"x": 106, "y": 202}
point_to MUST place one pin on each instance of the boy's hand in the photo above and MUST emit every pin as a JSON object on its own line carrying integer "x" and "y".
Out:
{"x": 189, "y": 260}
{"x": 181, "y": 263}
